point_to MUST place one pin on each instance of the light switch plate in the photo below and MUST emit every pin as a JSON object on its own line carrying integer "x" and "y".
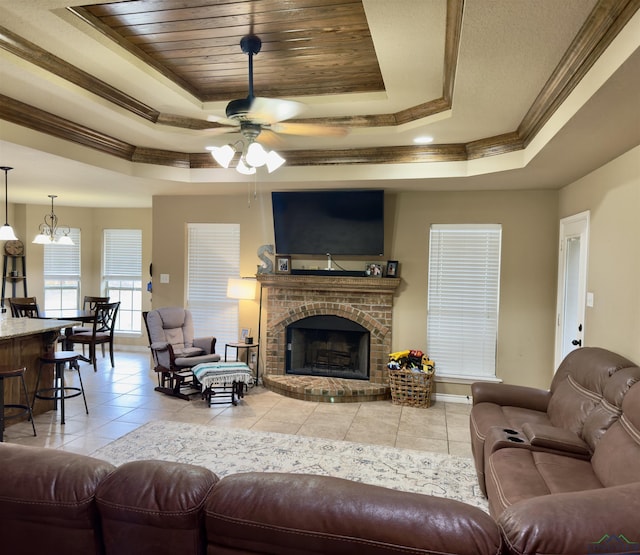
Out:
{"x": 164, "y": 278}
{"x": 590, "y": 299}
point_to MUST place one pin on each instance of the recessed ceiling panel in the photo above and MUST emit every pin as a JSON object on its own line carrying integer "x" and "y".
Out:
{"x": 309, "y": 47}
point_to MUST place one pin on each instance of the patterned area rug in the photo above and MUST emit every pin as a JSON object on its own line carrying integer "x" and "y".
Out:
{"x": 230, "y": 451}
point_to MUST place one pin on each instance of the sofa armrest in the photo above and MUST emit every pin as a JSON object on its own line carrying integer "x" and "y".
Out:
{"x": 510, "y": 395}
{"x": 568, "y": 523}
{"x": 207, "y": 344}
{"x": 298, "y": 513}
{"x": 558, "y": 439}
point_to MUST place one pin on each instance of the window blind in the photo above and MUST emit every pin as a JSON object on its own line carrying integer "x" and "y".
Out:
{"x": 213, "y": 252}
{"x": 122, "y": 254}
{"x": 463, "y": 294}
{"x": 63, "y": 261}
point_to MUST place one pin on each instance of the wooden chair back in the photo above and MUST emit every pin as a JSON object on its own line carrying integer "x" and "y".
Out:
{"x": 24, "y": 307}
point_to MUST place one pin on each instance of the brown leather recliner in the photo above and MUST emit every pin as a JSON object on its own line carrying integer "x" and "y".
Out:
{"x": 584, "y": 400}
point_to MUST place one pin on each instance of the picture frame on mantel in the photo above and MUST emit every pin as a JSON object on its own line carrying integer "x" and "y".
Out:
{"x": 373, "y": 269}
{"x": 392, "y": 268}
{"x": 283, "y": 264}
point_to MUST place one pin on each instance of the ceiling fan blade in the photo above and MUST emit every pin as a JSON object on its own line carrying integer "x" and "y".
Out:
{"x": 215, "y": 131}
{"x": 308, "y": 129}
{"x": 222, "y": 120}
{"x": 270, "y": 139}
{"x": 272, "y": 110}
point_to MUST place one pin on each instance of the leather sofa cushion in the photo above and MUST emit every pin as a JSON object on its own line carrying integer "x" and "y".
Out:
{"x": 615, "y": 459}
{"x": 301, "y": 514}
{"x": 47, "y": 501}
{"x": 610, "y": 406}
{"x": 515, "y": 475}
{"x": 574, "y": 523}
{"x": 154, "y": 507}
{"x": 571, "y": 404}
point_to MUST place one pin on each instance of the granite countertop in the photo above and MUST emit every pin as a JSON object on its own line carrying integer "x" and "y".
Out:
{"x": 20, "y": 327}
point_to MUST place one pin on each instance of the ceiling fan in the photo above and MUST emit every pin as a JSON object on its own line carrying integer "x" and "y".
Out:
{"x": 259, "y": 119}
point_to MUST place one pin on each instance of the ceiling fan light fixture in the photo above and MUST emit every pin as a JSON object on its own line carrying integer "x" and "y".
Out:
{"x": 244, "y": 169}
{"x": 256, "y": 155}
{"x": 222, "y": 154}
{"x": 274, "y": 161}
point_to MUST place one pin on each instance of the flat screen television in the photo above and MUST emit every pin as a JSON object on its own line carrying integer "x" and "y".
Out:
{"x": 336, "y": 222}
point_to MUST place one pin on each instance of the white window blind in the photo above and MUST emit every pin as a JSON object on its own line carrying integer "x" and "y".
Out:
{"x": 62, "y": 274}
{"x": 213, "y": 252}
{"x": 463, "y": 294}
{"x": 62, "y": 261}
{"x": 122, "y": 264}
{"x": 123, "y": 253}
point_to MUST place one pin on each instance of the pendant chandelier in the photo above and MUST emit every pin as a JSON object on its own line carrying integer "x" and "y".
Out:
{"x": 6, "y": 231}
{"x": 50, "y": 233}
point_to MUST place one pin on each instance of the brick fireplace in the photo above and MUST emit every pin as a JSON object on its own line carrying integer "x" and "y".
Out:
{"x": 288, "y": 300}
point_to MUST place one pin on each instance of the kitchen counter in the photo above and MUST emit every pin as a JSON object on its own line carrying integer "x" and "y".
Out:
{"x": 22, "y": 342}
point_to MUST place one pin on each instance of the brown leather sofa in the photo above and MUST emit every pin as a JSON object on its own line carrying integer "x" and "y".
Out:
{"x": 561, "y": 468}
{"x": 546, "y": 495}
{"x": 62, "y": 503}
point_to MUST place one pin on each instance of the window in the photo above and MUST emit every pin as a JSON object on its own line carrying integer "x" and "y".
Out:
{"x": 213, "y": 252}
{"x": 123, "y": 276}
{"x": 463, "y": 289}
{"x": 62, "y": 274}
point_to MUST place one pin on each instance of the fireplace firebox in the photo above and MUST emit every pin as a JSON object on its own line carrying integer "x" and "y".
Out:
{"x": 328, "y": 345}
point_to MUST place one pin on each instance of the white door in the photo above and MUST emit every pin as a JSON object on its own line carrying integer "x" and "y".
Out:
{"x": 572, "y": 284}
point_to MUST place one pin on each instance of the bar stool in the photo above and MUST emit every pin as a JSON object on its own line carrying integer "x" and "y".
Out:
{"x": 7, "y": 372}
{"x": 59, "y": 390}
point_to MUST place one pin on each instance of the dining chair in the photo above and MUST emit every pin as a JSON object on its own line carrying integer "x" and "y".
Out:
{"x": 102, "y": 331}
{"x": 89, "y": 304}
{"x": 24, "y": 307}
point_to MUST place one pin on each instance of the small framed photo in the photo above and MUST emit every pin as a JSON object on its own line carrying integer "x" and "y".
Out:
{"x": 392, "y": 268}
{"x": 246, "y": 332}
{"x": 283, "y": 264}
{"x": 373, "y": 269}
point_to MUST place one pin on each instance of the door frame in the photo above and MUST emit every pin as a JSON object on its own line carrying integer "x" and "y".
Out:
{"x": 571, "y": 226}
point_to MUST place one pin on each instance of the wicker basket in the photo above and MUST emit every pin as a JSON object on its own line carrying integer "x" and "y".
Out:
{"x": 411, "y": 389}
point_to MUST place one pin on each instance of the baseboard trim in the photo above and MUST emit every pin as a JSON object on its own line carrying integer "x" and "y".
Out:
{"x": 449, "y": 398}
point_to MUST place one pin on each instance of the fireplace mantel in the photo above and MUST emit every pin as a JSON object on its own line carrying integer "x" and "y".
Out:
{"x": 367, "y": 301}
{"x": 329, "y": 283}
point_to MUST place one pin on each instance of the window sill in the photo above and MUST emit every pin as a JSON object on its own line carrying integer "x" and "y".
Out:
{"x": 466, "y": 380}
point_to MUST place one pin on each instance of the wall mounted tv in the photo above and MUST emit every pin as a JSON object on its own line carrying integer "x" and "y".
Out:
{"x": 336, "y": 222}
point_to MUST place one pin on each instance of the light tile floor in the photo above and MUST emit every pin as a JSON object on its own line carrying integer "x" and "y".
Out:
{"x": 122, "y": 398}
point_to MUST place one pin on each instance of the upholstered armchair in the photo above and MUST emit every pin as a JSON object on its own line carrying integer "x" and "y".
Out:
{"x": 175, "y": 350}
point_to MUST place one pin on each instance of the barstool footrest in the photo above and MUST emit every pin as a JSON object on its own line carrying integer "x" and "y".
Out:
{"x": 40, "y": 394}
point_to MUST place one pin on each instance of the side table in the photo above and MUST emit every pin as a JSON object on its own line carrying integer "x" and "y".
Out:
{"x": 247, "y": 347}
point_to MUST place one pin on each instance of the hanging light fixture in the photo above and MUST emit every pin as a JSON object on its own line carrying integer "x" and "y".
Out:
{"x": 6, "y": 231}
{"x": 50, "y": 232}
{"x": 252, "y": 154}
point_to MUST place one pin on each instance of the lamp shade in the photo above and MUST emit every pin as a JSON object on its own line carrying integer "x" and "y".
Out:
{"x": 238, "y": 288}
{"x": 222, "y": 154}
{"x": 256, "y": 155}
{"x": 6, "y": 233}
{"x": 244, "y": 169}
{"x": 274, "y": 161}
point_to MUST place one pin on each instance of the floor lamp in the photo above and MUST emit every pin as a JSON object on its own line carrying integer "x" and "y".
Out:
{"x": 245, "y": 289}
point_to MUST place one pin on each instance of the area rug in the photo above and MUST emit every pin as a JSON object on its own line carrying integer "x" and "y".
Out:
{"x": 231, "y": 451}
